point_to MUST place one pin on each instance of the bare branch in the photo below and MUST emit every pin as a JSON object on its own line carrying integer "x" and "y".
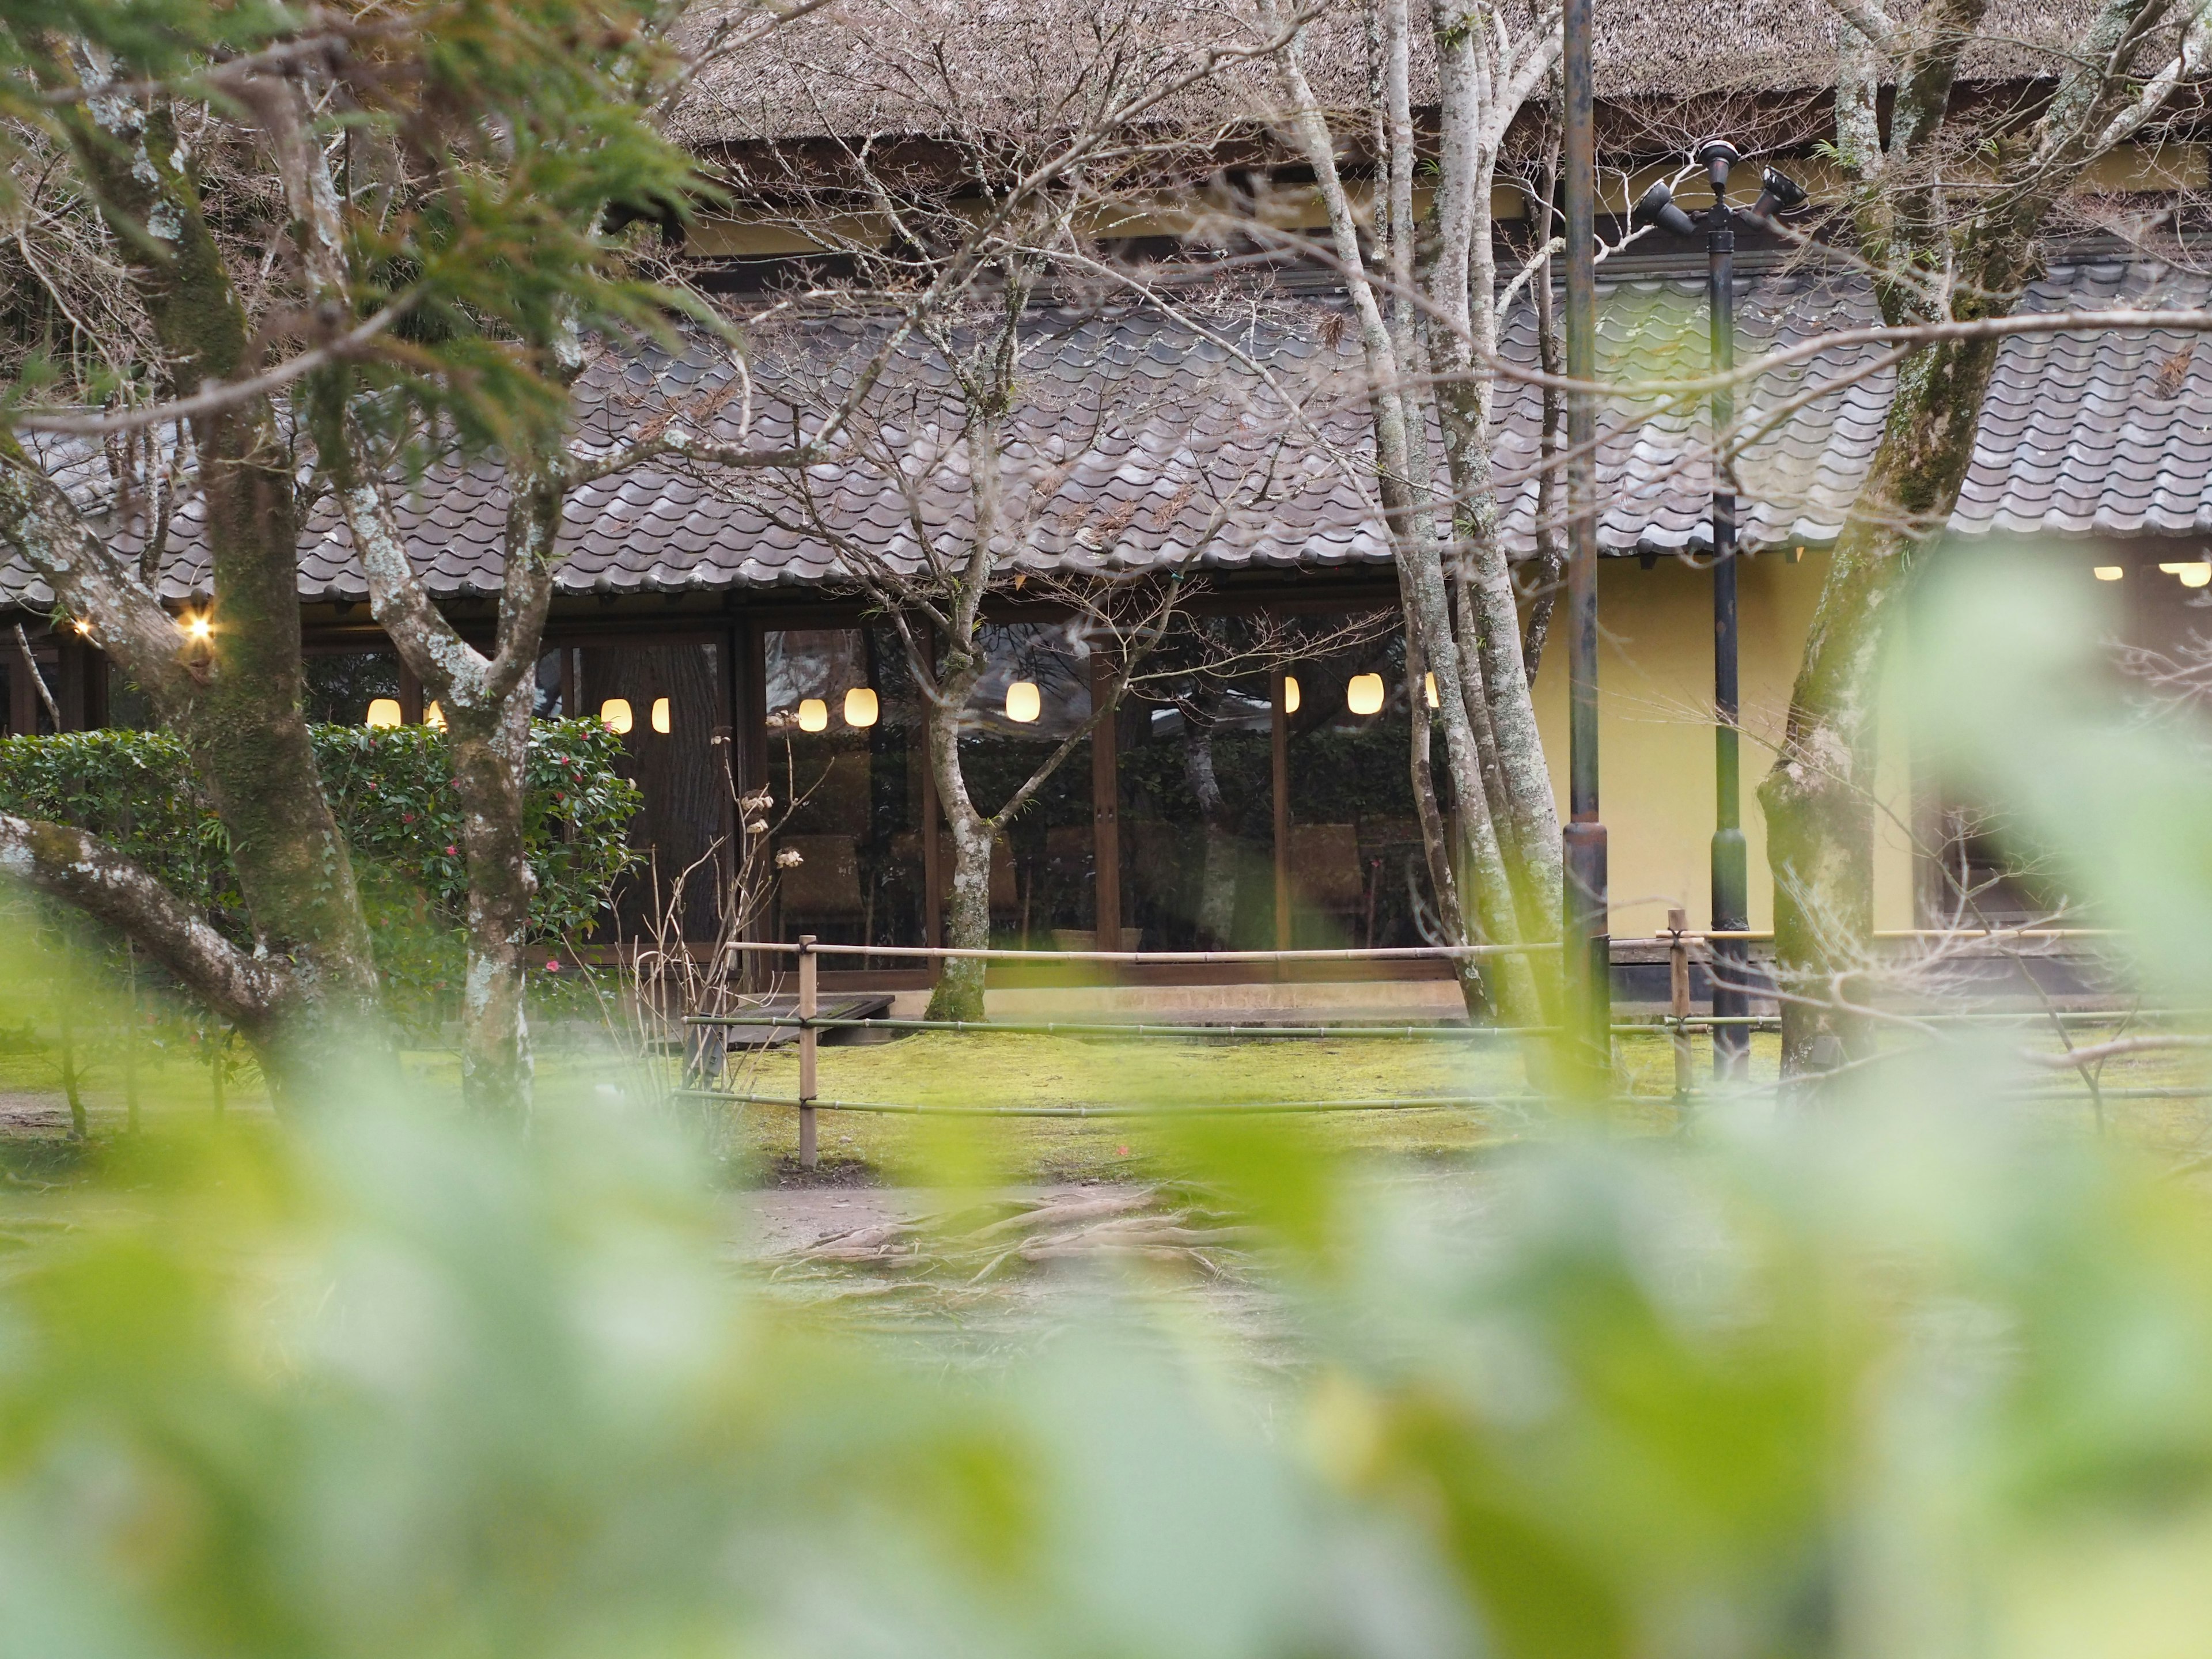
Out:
{"x": 217, "y": 397}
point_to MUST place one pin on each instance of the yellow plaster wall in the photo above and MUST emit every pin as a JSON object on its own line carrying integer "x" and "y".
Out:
{"x": 1655, "y": 741}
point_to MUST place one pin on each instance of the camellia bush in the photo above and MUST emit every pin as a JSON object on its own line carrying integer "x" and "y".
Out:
{"x": 391, "y": 789}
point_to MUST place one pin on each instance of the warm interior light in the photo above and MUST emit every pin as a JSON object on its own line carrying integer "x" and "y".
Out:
{"x": 84, "y": 626}
{"x": 2108, "y": 573}
{"x": 2193, "y": 573}
{"x": 813, "y": 714}
{"x": 660, "y": 715}
{"x": 1429, "y": 690}
{"x": 198, "y": 627}
{"x": 1289, "y": 694}
{"x": 862, "y": 706}
{"x": 1364, "y": 695}
{"x": 384, "y": 711}
{"x": 434, "y": 718}
{"x": 1024, "y": 701}
{"x": 614, "y": 715}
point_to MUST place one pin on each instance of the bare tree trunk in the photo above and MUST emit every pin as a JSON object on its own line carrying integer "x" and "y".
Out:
{"x": 1437, "y": 841}
{"x": 1818, "y": 798}
{"x": 959, "y": 993}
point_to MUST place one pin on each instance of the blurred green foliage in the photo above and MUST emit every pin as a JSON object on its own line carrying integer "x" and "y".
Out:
{"x": 1907, "y": 1376}
{"x": 521, "y": 137}
{"x": 391, "y": 789}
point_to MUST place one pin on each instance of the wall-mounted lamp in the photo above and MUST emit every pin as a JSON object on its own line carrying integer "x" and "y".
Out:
{"x": 1363, "y": 696}
{"x": 813, "y": 714}
{"x": 2195, "y": 574}
{"x": 197, "y": 627}
{"x": 862, "y": 706}
{"x": 2109, "y": 573}
{"x": 1024, "y": 701}
{"x": 1289, "y": 694}
{"x": 384, "y": 711}
{"x": 614, "y": 715}
{"x": 660, "y": 720}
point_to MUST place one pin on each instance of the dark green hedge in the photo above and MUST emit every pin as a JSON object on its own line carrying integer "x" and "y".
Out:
{"x": 391, "y": 789}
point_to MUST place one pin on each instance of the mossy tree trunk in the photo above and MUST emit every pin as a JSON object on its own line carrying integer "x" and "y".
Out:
{"x": 487, "y": 702}
{"x": 1938, "y": 255}
{"x": 1818, "y": 798}
{"x": 231, "y": 696}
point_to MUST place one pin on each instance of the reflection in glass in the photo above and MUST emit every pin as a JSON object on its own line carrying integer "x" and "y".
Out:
{"x": 848, "y": 790}
{"x": 338, "y": 688}
{"x": 1034, "y": 694}
{"x": 1197, "y": 796}
{"x": 1359, "y": 871}
{"x": 683, "y": 774}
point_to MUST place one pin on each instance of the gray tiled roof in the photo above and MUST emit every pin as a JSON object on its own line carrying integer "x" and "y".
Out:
{"x": 1133, "y": 434}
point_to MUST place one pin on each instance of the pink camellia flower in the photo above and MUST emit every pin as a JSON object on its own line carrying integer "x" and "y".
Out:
{"x": 552, "y": 964}
{"x": 450, "y": 851}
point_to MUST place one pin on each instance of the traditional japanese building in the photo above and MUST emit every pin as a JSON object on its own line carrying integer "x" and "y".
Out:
{"x": 730, "y": 643}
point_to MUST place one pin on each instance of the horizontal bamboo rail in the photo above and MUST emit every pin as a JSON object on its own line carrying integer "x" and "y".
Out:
{"x": 810, "y": 1024}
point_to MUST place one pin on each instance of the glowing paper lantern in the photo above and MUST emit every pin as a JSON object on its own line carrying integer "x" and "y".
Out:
{"x": 2193, "y": 574}
{"x": 198, "y": 627}
{"x": 1289, "y": 694}
{"x": 384, "y": 711}
{"x": 660, "y": 715}
{"x": 434, "y": 718}
{"x": 614, "y": 715}
{"x": 1023, "y": 702}
{"x": 1428, "y": 688}
{"x": 813, "y": 714}
{"x": 862, "y": 706}
{"x": 2108, "y": 573}
{"x": 1364, "y": 695}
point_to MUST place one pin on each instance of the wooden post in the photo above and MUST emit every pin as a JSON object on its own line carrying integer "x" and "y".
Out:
{"x": 1678, "y": 984}
{"x": 1279, "y": 729}
{"x": 1105, "y": 807}
{"x": 807, "y": 959}
{"x": 22, "y": 696}
{"x": 410, "y": 697}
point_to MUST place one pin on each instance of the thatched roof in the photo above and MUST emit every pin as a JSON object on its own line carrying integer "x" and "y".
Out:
{"x": 922, "y": 67}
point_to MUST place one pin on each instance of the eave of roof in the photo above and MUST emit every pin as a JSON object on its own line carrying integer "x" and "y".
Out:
{"x": 2107, "y": 435}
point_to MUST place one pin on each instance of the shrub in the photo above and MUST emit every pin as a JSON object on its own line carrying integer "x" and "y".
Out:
{"x": 391, "y": 789}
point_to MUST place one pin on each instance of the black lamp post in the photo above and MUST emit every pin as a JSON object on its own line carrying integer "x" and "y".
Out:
{"x": 1730, "y": 863}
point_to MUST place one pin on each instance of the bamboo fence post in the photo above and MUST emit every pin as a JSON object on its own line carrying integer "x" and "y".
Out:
{"x": 1678, "y": 984}
{"x": 807, "y": 1152}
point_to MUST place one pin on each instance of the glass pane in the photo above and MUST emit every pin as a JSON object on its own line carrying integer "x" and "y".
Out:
{"x": 667, "y": 701}
{"x": 1359, "y": 875}
{"x": 845, "y": 769}
{"x": 1034, "y": 693}
{"x": 549, "y": 704}
{"x": 338, "y": 687}
{"x": 1197, "y": 808}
